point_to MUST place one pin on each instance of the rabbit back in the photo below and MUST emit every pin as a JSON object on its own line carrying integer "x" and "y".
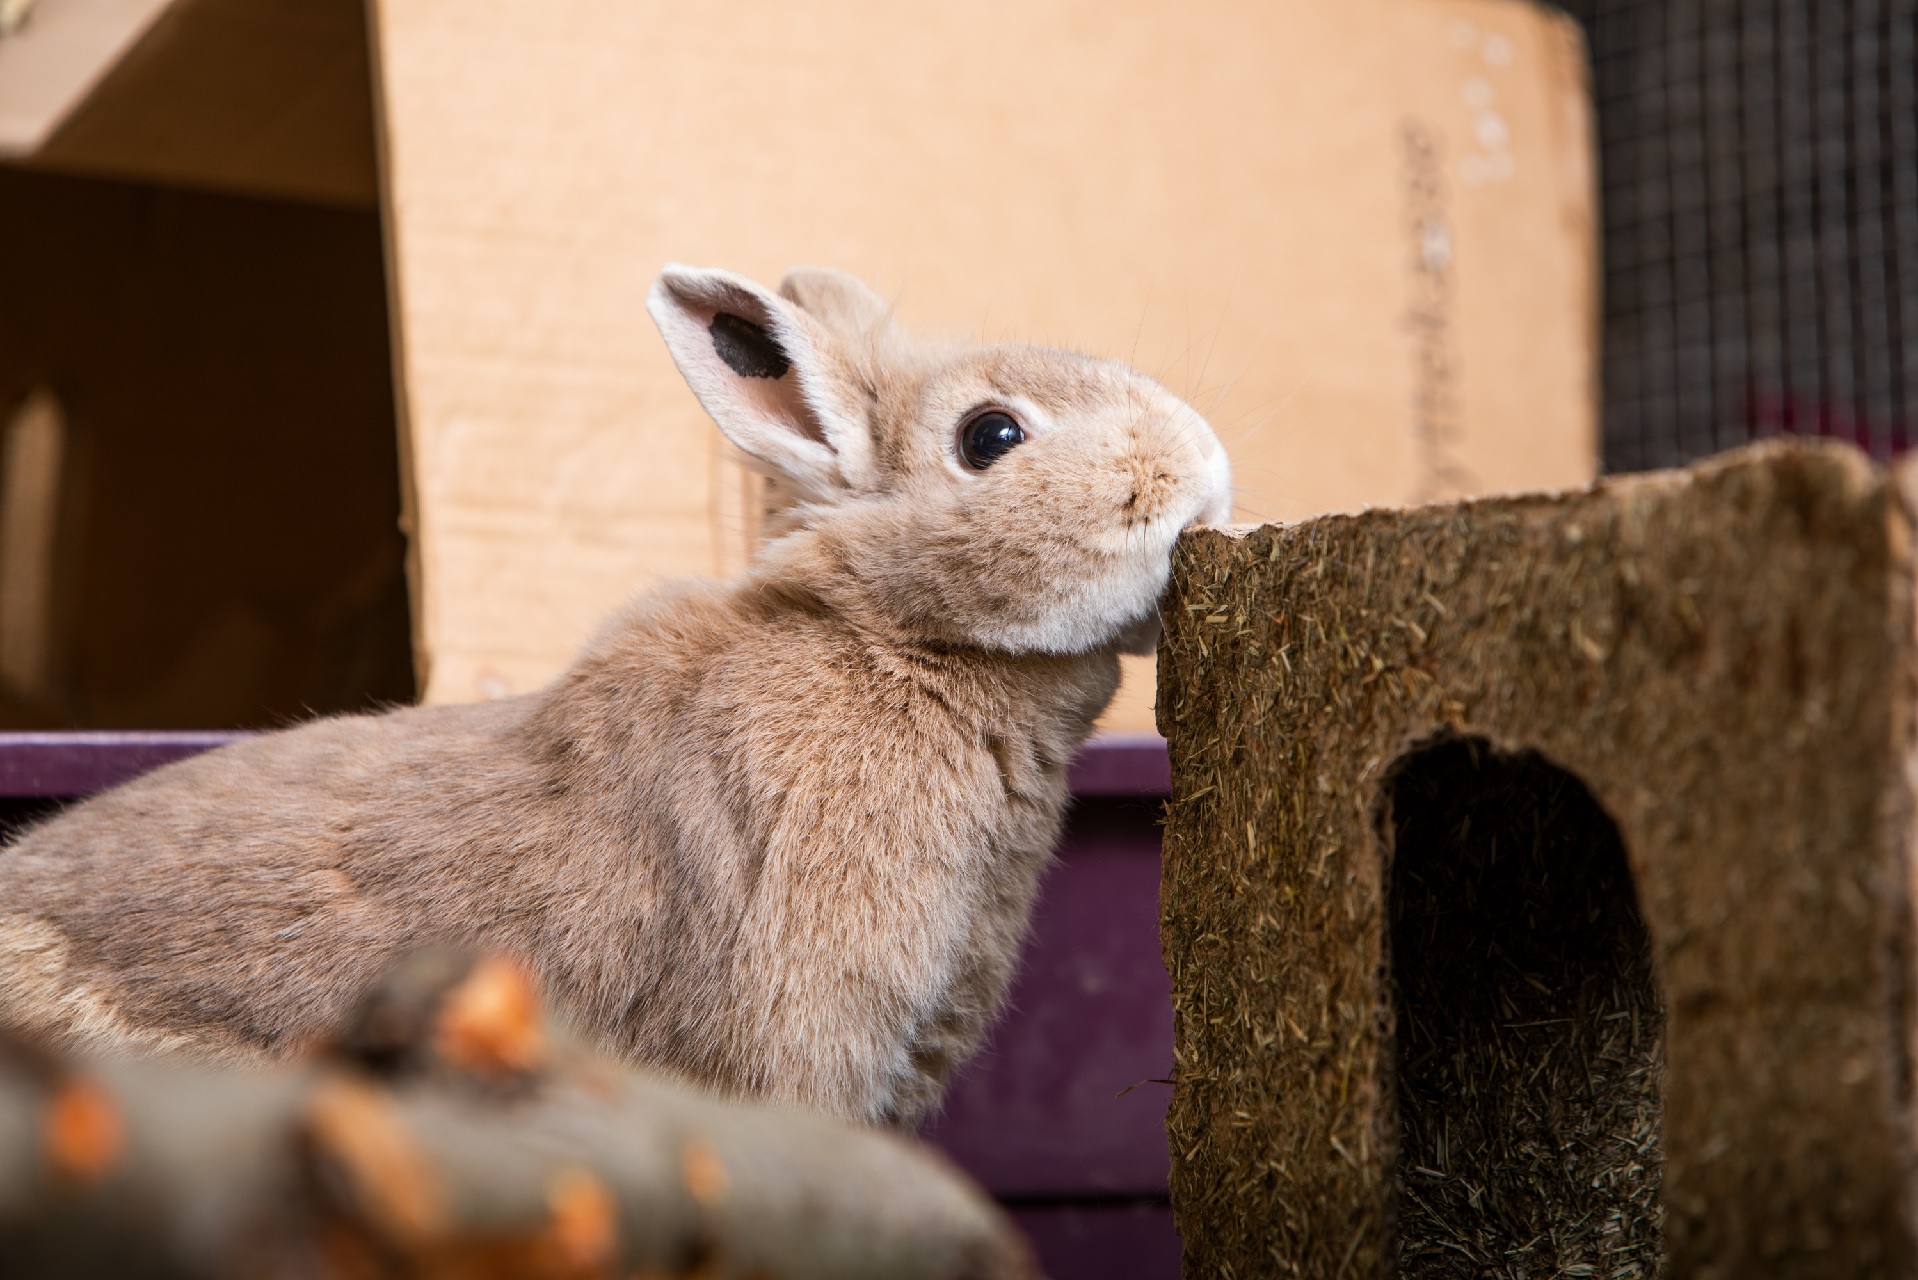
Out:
{"x": 233, "y": 904}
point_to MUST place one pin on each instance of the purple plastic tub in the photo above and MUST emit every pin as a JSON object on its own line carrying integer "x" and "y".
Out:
{"x": 1062, "y": 1114}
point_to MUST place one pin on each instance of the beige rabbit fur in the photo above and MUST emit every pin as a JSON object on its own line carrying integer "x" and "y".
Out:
{"x": 780, "y": 834}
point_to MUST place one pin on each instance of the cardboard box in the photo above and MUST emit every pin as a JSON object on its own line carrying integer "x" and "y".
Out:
{"x": 1358, "y": 236}
{"x": 199, "y": 491}
{"x": 266, "y": 97}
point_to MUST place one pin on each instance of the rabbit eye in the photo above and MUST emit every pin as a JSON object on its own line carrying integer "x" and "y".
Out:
{"x": 989, "y": 437}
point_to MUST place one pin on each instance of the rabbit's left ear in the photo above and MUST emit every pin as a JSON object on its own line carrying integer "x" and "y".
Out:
{"x": 840, "y": 301}
{"x": 772, "y": 377}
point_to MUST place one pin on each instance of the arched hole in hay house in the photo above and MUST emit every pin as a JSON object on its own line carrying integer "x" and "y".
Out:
{"x": 1528, "y": 1026}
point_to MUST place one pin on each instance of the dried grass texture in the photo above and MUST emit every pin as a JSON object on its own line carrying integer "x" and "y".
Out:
{"x": 1724, "y": 658}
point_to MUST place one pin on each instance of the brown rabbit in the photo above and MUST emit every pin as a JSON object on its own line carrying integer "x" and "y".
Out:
{"x": 780, "y": 835}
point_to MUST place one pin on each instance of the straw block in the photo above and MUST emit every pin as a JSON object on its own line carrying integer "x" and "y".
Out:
{"x": 1704, "y": 677}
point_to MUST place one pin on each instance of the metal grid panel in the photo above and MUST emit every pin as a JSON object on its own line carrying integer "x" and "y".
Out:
{"x": 1760, "y": 187}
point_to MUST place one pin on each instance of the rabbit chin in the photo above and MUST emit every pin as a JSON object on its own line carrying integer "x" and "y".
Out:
{"x": 1140, "y": 637}
{"x": 1121, "y": 616}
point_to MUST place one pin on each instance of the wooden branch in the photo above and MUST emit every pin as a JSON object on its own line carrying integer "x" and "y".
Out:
{"x": 135, "y": 1169}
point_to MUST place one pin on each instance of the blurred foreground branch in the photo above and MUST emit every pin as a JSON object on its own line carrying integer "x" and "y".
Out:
{"x": 433, "y": 1143}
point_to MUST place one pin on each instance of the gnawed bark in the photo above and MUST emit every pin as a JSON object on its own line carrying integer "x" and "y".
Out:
{"x": 352, "y": 1169}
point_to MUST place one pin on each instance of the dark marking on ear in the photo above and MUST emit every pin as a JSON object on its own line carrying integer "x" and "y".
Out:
{"x": 747, "y": 349}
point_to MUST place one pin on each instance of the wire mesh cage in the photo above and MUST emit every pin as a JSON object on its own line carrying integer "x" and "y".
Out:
{"x": 1759, "y": 170}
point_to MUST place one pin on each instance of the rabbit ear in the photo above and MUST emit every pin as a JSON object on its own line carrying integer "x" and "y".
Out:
{"x": 772, "y": 377}
{"x": 840, "y": 301}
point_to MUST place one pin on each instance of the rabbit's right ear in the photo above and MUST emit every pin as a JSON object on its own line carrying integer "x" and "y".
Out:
{"x": 769, "y": 374}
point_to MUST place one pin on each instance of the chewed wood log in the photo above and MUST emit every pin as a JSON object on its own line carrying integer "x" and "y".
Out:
{"x": 480, "y": 1160}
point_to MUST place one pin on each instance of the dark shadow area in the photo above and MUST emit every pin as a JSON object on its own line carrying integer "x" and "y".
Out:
{"x": 20, "y": 812}
{"x": 1529, "y": 1028}
{"x": 1100, "y": 1239}
{"x": 209, "y": 504}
